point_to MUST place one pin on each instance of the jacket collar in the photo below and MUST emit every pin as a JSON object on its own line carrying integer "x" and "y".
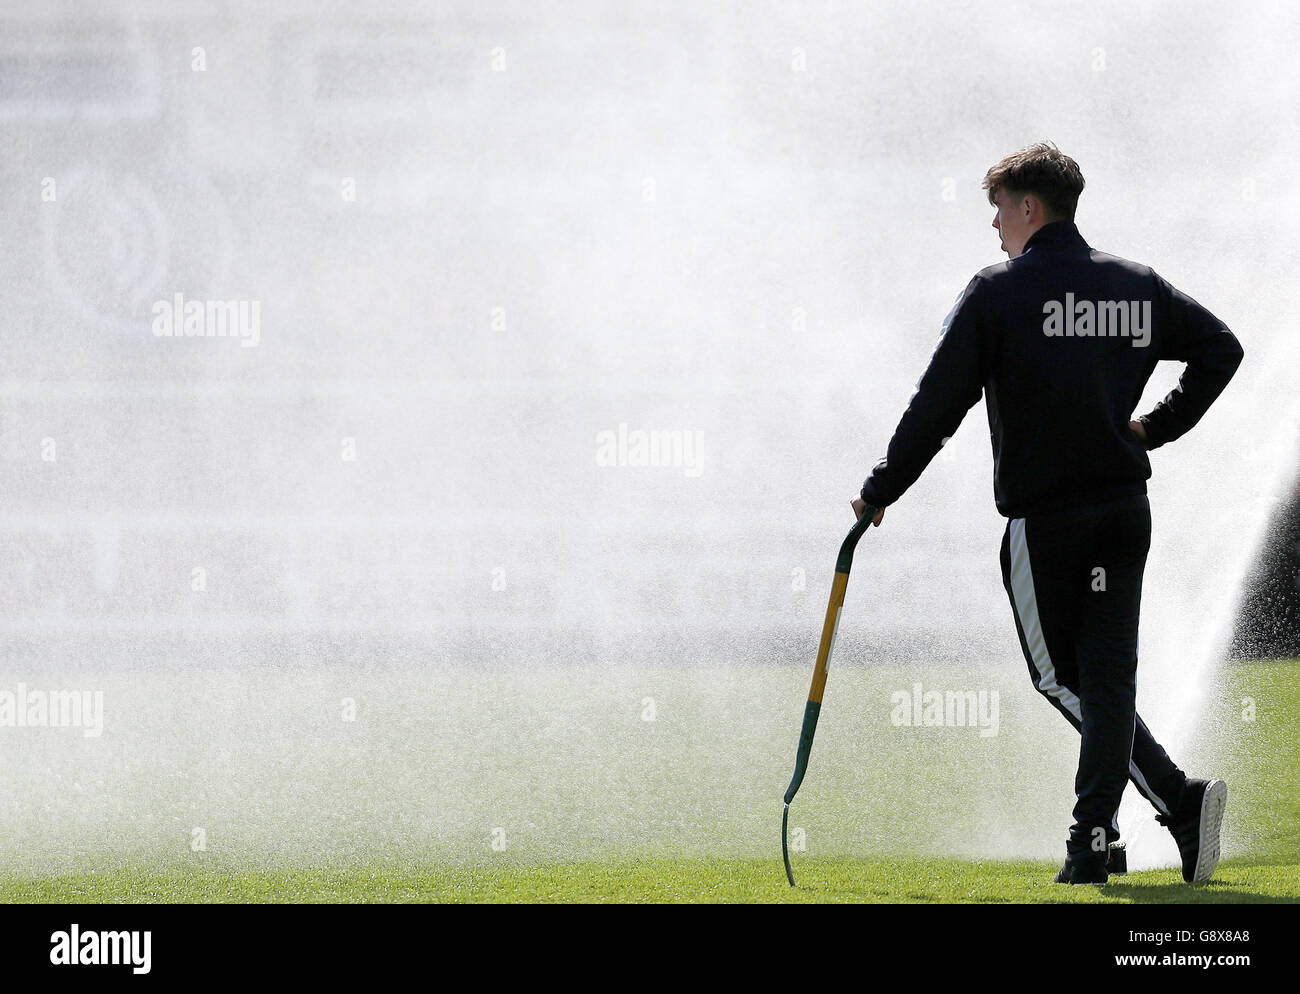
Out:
{"x": 1056, "y": 234}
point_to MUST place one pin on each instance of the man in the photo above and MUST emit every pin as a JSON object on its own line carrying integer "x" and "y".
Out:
{"x": 1061, "y": 340}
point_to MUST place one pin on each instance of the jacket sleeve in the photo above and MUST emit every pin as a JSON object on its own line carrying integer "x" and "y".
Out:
{"x": 949, "y": 387}
{"x": 1191, "y": 334}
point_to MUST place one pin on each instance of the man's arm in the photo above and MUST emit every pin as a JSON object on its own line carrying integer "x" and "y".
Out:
{"x": 1195, "y": 336}
{"x": 950, "y": 386}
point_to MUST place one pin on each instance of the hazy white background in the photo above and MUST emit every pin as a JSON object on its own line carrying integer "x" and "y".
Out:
{"x": 740, "y": 220}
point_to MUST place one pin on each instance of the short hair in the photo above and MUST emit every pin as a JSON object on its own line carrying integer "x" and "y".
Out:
{"x": 1043, "y": 170}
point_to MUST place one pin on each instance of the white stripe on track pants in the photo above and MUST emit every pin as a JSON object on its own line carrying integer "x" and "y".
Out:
{"x": 1075, "y": 583}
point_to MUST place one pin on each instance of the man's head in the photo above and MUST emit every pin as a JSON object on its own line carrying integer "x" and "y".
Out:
{"x": 1031, "y": 188}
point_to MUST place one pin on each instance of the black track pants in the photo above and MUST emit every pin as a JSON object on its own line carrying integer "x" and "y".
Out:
{"x": 1075, "y": 583}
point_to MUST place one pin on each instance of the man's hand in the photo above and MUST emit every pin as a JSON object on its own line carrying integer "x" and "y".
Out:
{"x": 859, "y": 505}
{"x": 1139, "y": 429}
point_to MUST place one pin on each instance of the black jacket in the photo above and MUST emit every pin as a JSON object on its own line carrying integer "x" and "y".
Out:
{"x": 1059, "y": 394}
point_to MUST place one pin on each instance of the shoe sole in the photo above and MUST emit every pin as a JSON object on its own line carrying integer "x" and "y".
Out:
{"x": 1212, "y": 807}
{"x": 1082, "y": 883}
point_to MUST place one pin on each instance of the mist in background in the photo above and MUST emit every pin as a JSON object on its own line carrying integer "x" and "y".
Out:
{"x": 386, "y": 573}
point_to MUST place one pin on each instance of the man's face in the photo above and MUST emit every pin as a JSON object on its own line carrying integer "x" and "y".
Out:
{"x": 1013, "y": 221}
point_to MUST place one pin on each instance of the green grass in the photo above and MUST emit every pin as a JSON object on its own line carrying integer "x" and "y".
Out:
{"x": 1254, "y": 714}
{"x": 677, "y": 881}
